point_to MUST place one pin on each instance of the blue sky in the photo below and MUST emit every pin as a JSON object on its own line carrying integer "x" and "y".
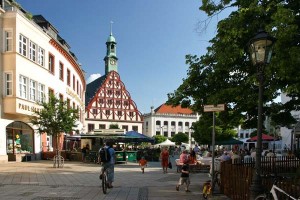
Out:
{"x": 153, "y": 37}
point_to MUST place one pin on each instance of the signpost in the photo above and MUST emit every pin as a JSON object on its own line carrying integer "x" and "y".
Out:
{"x": 213, "y": 108}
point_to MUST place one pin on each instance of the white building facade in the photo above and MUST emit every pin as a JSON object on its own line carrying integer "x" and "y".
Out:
{"x": 168, "y": 121}
{"x": 288, "y": 137}
{"x": 34, "y": 62}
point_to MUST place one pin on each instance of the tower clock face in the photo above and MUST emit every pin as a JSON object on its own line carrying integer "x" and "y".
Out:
{"x": 112, "y": 61}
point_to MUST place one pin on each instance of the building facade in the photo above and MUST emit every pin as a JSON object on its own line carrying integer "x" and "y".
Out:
{"x": 168, "y": 121}
{"x": 34, "y": 62}
{"x": 107, "y": 100}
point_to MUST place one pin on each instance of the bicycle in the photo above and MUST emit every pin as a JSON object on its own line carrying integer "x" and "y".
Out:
{"x": 208, "y": 187}
{"x": 104, "y": 178}
{"x": 272, "y": 193}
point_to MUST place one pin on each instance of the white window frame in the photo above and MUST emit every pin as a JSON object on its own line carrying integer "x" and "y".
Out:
{"x": 8, "y": 40}
{"x": 32, "y": 51}
{"x": 41, "y": 93}
{"x": 23, "y": 81}
{"x": 8, "y": 78}
{"x": 41, "y": 56}
{"x": 32, "y": 90}
{"x": 23, "y": 45}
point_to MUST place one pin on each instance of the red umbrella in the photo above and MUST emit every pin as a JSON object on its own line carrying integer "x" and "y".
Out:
{"x": 264, "y": 138}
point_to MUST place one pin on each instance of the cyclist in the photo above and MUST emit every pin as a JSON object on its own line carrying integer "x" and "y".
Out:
{"x": 109, "y": 165}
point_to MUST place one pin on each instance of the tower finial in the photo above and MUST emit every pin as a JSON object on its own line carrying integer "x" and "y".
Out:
{"x": 111, "y": 22}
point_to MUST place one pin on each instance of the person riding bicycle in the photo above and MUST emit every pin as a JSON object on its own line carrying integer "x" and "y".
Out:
{"x": 108, "y": 164}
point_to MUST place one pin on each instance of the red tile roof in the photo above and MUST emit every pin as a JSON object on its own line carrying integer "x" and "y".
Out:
{"x": 168, "y": 109}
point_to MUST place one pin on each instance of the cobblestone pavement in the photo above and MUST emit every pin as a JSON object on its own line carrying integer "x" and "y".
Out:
{"x": 38, "y": 180}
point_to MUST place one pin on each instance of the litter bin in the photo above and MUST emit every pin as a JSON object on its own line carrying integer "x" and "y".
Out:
{"x": 120, "y": 156}
{"x": 131, "y": 156}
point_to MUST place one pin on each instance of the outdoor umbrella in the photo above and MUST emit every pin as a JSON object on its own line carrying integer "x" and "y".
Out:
{"x": 230, "y": 141}
{"x": 133, "y": 136}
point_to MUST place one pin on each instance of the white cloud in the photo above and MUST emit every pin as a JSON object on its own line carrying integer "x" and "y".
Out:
{"x": 92, "y": 77}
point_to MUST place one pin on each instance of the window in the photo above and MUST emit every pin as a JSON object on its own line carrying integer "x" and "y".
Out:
{"x": 135, "y": 128}
{"x": 23, "y": 45}
{"x": 107, "y": 112}
{"x": 61, "y": 71}
{"x": 101, "y": 126}
{"x": 73, "y": 82}
{"x": 41, "y": 93}
{"x": 95, "y": 111}
{"x": 23, "y": 86}
{"x": 32, "y": 51}
{"x": 8, "y": 84}
{"x": 77, "y": 87}
{"x": 8, "y": 41}
{"x": 41, "y": 56}
{"x": 50, "y": 92}
{"x": 61, "y": 97}
{"x": 91, "y": 127}
{"x": 68, "y": 77}
{"x": 125, "y": 127}
{"x": 109, "y": 102}
{"x": 131, "y": 114}
{"x": 32, "y": 90}
{"x": 68, "y": 103}
{"x": 119, "y": 113}
{"x": 51, "y": 63}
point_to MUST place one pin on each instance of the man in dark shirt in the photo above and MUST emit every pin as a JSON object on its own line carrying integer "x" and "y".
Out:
{"x": 184, "y": 177}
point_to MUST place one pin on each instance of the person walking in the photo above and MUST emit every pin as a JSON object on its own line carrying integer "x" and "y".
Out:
{"x": 184, "y": 177}
{"x": 164, "y": 156}
{"x": 143, "y": 164}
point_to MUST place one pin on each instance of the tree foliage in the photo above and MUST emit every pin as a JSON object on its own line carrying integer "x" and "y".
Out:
{"x": 159, "y": 138}
{"x": 54, "y": 117}
{"x": 226, "y": 75}
{"x": 179, "y": 138}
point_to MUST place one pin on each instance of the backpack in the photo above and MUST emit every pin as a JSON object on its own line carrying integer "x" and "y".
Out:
{"x": 104, "y": 154}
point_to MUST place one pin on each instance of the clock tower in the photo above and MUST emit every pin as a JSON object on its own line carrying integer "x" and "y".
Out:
{"x": 111, "y": 60}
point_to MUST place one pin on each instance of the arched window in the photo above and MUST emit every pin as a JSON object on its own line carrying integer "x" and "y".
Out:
{"x": 19, "y": 138}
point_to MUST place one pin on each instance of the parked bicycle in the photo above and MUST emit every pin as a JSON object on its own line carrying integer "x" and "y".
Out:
{"x": 208, "y": 186}
{"x": 268, "y": 195}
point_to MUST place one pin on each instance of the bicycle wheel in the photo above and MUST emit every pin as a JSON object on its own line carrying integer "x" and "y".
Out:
{"x": 261, "y": 197}
{"x": 104, "y": 182}
{"x": 217, "y": 179}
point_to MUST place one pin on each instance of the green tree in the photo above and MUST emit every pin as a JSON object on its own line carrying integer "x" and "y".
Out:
{"x": 54, "y": 117}
{"x": 225, "y": 73}
{"x": 159, "y": 138}
{"x": 179, "y": 138}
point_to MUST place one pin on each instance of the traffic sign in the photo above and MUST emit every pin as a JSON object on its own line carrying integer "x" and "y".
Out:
{"x": 214, "y": 108}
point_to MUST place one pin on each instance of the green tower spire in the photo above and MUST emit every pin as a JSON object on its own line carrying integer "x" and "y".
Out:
{"x": 111, "y": 60}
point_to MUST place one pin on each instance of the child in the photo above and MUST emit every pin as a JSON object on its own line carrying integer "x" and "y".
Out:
{"x": 185, "y": 176}
{"x": 143, "y": 163}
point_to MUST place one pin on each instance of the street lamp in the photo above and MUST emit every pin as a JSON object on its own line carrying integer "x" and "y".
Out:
{"x": 260, "y": 48}
{"x": 161, "y": 130}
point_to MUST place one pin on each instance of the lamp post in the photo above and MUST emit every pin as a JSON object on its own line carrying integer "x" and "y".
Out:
{"x": 161, "y": 130}
{"x": 260, "y": 48}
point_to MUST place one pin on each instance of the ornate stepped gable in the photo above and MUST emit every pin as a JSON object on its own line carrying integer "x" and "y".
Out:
{"x": 108, "y": 99}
